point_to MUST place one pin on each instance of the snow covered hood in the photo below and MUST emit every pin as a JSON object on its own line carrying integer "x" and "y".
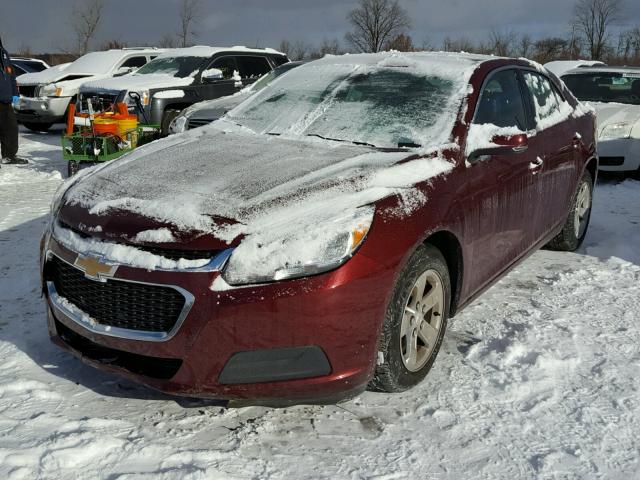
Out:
{"x": 610, "y": 113}
{"x": 135, "y": 81}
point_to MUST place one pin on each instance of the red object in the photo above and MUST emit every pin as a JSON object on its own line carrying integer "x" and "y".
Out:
{"x": 104, "y": 129}
{"x": 71, "y": 118}
{"x": 122, "y": 109}
{"x": 484, "y": 217}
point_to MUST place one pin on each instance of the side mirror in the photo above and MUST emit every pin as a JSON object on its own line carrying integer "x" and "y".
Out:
{"x": 501, "y": 145}
{"x": 212, "y": 75}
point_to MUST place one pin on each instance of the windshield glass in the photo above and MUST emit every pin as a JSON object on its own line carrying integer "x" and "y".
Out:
{"x": 605, "y": 87}
{"x": 179, "y": 67}
{"x": 378, "y": 105}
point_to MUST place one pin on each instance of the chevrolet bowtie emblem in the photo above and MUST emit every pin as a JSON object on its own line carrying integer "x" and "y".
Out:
{"x": 94, "y": 269}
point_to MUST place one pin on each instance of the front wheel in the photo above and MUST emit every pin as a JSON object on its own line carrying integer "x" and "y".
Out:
{"x": 168, "y": 117}
{"x": 415, "y": 322}
{"x": 575, "y": 228}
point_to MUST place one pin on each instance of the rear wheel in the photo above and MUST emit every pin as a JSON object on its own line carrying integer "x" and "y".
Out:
{"x": 167, "y": 118}
{"x": 38, "y": 127}
{"x": 415, "y": 322}
{"x": 575, "y": 228}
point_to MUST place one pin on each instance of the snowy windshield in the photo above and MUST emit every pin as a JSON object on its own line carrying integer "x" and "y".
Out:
{"x": 605, "y": 87}
{"x": 179, "y": 67}
{"x": 377, "y": 105}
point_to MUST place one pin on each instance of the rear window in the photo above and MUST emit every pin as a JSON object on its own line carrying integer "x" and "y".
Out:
{"x": 605, "y": 87}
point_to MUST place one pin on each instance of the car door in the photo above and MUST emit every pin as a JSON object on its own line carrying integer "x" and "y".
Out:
{"x": 556, "y": 139}
{"x": 497, "y": 198}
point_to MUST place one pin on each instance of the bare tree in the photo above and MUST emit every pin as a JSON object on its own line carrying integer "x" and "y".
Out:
{"x": 525, "y": 46}
{"x": 190, "y": 11}
{"x": 168, "y": 40}
{"x": 376, "y": 22}
{"x": 401, "y": 43}
{"x": 85, "y": 22}
{"x": 327, "y": 47}
{"x": 501, "y": 43}
{"x": 24, "y": 50}
{"x": 593, "y": 19}
{"x": 461, "y": 44}
{"x": 551, "y": 48}
{"x": 114, "y": 44}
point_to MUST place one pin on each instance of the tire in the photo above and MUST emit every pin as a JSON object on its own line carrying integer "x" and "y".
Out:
{"x": 73, "y": 167}
{"x": 396, "y": 372}
{"x": 167, "y": 118}
{"x": 38, "y": 127}
{"x": 575, "y": 228}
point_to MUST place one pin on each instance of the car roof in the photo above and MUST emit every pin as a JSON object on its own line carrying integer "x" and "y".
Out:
{"x": 206, "y": 51}
{"x": 603, "y": 69}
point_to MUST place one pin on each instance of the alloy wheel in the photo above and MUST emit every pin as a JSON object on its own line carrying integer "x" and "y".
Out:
{"x": 583, "y": 205}
{"x": 422, "y": 320}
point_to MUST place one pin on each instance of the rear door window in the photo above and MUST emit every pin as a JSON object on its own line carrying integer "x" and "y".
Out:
{"x": 501, "y": 102}
{"x": 545, "y": 99}
{"x": 134, "y": 62}
{"x": 253, "y": 67}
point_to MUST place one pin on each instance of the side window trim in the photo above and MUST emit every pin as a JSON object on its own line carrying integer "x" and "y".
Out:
{"x": 527, "y": 99}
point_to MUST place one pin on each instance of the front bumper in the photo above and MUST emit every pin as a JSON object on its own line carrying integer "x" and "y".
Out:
{"x": 42, "y": 109}
{"x": 619, "y": 155}
{"x": 311, "y": 339}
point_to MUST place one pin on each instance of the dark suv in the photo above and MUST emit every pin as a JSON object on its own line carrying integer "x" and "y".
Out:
{"x": 179, "y": 78}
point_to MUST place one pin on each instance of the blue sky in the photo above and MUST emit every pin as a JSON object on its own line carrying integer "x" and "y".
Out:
{"x": 44, "y": 26}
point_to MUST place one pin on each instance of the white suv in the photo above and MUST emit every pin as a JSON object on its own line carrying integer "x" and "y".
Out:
{"x": 45, "y": 96}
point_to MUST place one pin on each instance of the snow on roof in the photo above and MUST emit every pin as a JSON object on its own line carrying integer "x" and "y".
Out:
{"x": 206, "y": 51}
{"x": 634, "y": 71}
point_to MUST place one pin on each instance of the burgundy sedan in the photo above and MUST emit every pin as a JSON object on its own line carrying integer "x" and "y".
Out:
{"x": 314, "y": 241}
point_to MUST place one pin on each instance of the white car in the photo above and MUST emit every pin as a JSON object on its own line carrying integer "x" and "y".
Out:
{"x": 45, "y": 95}
{"x": 615, "y": 94}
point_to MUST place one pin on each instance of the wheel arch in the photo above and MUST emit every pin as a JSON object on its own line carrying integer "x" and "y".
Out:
{"x": 451, "y": 249}
{"x": 592, "y": 167}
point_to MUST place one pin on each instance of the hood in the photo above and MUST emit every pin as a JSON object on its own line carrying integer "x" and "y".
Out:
{"x": 609, "y": 113}
{"x": 213, "y": 109}
{"x": 223, "y": 184}
{"x": 136, "y": 82}
{"x": 50, "y": 75}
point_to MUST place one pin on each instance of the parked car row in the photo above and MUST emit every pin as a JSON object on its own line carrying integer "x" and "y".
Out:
{"x": 167, "y": 81}
{"x": 314, "y": 240}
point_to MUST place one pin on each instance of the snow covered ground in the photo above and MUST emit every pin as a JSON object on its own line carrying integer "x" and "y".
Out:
{"x": 539, "y": 378}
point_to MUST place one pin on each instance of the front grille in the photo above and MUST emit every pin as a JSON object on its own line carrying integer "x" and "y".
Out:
{"x": 28, "y": 90}
{"x": 174, "y": 254}
{"x": 161, "y": 368}
{"x": 114, "y": 303}
{"x": 198, "y": 122}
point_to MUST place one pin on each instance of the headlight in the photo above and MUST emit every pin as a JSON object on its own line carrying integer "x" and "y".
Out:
{"x": 178, "y": 124}
{"x": 616, "y": 130}
{"x": 298, "y": 253}
{"x": 144, "y": 98}
{"x": 51, "y": 91}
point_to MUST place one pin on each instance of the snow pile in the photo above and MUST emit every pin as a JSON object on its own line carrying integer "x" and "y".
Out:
{"x": 170, "y": 94}
{"x": 125, "y": 254}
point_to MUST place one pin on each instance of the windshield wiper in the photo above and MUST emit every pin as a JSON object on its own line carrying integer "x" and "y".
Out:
{"x": 355, "y": 142}
{"x": 408, "y": 145}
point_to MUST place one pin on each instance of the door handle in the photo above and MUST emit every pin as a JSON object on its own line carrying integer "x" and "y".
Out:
{"x": 536, "y": 164}
{"x": 576, "y": 141}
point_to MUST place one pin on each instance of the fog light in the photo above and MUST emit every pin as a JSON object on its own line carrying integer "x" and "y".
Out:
{"x": 44, "y": 106}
